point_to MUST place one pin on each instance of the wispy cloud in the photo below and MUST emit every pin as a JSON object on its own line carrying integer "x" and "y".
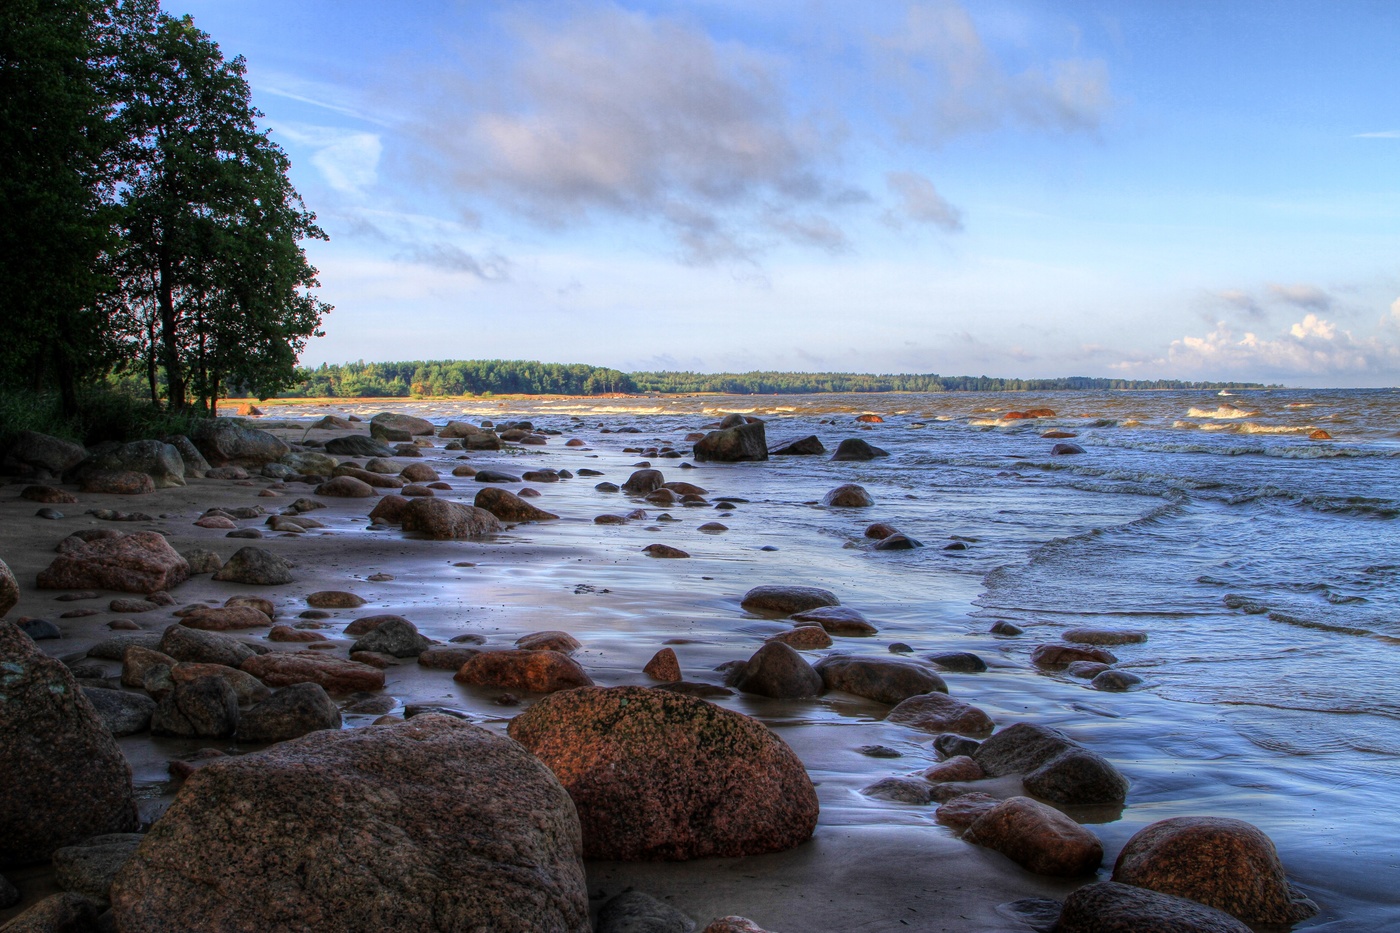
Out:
{"x": 489, "y": 268}
{"x": 920, "y": 202}
{"x": 1302, "y": 295}
{"x": 348, "y": 160}
{"x": 1382, "y": 134}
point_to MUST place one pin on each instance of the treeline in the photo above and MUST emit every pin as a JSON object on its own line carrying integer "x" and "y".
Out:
{"x": 529, "y": 377}
{"x": 147, "y": 225}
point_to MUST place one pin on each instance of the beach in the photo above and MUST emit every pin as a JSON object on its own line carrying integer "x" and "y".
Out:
{"x": 1258, "y": 561}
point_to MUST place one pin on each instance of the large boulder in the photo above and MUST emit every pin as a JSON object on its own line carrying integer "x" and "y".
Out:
{"x": 441, "y": 519}
{"x": 642, "y": 482}
{"x": 158, "y": 460}
{"x": 62, "y": 776}
{"x": 9, "y": 589}
{"x": 849, "y": 496}
{"x": 939, "y": 713}
{"x": 357, "y": 445}
{"x": 1052, "y": 765}
{"x": 428, "y": 825}
{"x": 808, "y": 446}
{"x": 205, "y": 707}
{"x": 336, "y": 675}
{"x": 43, "y": 454}
{"x": 123, "y": 712}
{"x": 783, "y": 600}
{"x": 414, "y": 426}
{"x": 255, "y": 566}
{"x": 309, "y": 462}
{"x": 884, "y": 680}
{"x": 197, "y": 647}
{"x": 228, "y": 443}
{"x": 195, "y": 464}
{"x": 509, "y": 507}
{"x": 777, "y": 670}
{"x": 141, "y": 562}
{"x": 746, "y": 442}
{"x": 1037, "y": 837}
{"x": 1108, "y": 907}
{"x": 1228, "y": 864}
{"x": 659, "y": 775}
{"x": 458, "y": 429}
{"x": 521, "y": 669}
{"x": 288, "y": 714}
{"x": 394, "y": 636}
{"x": 853, "y": 448}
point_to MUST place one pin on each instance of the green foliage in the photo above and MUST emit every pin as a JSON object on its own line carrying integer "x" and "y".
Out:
{"x": 103, "y": 414}
{"x": 775, "y": 383}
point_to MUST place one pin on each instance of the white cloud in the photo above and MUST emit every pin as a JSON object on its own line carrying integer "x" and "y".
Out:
{"x": 348, "y": 160}
{"x": 954, "y": 83}
{"x": 1395, "y": 311}
{"x": 1310, "y": 347}
{"x": 921, "y": 203}
{"x": 1383, "y": 134}
{"x": 1308, "y": 297}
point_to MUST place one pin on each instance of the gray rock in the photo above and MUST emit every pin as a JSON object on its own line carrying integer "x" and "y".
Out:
{"x": 778, "y": 671}
{"x": 962, "y": 662}
{"x": 121, "y": 711}
{"x": 157, "y": 459}
{"x": 884, "y": 680}
{"x": 187, "y": 644}
{"x": 40, "y": 629}
{"x": 256, "y": 566}
{"x": 731, "y": 445}
{"x": 636, "y": 912}
{"x": 395, "y": 636}
{"x": 59, "y": 913}
{"x": 1053, "y": 766}
{"x": 202, "y": 560}
{"x": 114, "y": 648}
{"x": 1108, "y": 907}
{"x": 45, "y": 454}
{"x": 415, "y": 427}
{"x": 89, "y": 867}
{"x": 288, "y": 714}
{"x": 62, "y": 775}
{"x": 1115, "y": 681}
{"x": 786, "y": 600}
{"x": 900, "y": 790}
{"x": 206, "y": 707}
{"x": 225, "y": 442}
{"x": 195, "y": 464}
{"x": 309, "y": 463}
{"x": 357, "y": 445}
{"x": 849, "y": 496}
{"x": 803, "y": 447}
{"x": 853, "y": 448}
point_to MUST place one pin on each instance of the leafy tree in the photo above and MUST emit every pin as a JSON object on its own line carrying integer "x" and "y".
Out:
{"x": 54, "y": 141}
{"x": 215, "y": 284}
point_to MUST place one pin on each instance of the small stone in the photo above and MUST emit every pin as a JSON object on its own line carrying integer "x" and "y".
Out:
{"x": 963, "y": 662}
{"x": 1114, "y": 681}
{"x": 1006, "y": 628}
{"x": 957, "y": 768}
{"x": 664, "y": 551}
{"x": 938, "y": 712}
{"x": 663, "y": 666}
{"x": 900, "y": 790}
{"x": 334, "y": 599}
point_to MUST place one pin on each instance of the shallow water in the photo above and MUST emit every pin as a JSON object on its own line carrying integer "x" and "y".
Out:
{"x": 1262, "y": 563}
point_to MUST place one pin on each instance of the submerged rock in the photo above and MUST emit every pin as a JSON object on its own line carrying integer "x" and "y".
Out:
{"x": 730, "y": 445}
{"x": 1108, "y": 907}
{"x": 853, "y": 448}
{"x": 658, "y": 775}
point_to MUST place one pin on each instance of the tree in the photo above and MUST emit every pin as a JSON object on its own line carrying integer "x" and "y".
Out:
{"x": 54, "y": 143}
{"x": 210, "y": 224}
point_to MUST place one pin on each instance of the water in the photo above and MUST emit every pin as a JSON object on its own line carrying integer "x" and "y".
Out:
{"x": 1262, "y": 563}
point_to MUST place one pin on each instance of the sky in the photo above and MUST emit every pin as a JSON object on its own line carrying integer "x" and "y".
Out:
{"x": 1185, "y": 190}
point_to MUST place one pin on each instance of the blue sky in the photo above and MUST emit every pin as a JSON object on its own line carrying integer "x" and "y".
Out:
{"x": 1186, "y": 190}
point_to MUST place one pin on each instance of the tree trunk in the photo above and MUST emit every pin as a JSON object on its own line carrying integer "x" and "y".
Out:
{"x": 151, "y": 362}
{"x": 165, "y": 290}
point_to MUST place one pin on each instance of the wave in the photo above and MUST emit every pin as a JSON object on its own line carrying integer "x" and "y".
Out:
{"x": 1361, "y": 506}
{"x": 1224, "y": 412}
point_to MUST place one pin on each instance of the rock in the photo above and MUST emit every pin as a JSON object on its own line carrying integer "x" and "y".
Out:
{"x": 657, "y": 775}
{"x": 959, "y": 813}
{"x": 302, "y": 667}
{"x": 51, "y": 456}
{"x": 419, "y": 473}
{"x": 140, "y": 562}
{"x": 219, "y": 522}
{"x": 285, "y": 633}
{"x": 202, "y": 560}
{"x": 664, "y": 551}
{"x": 777, "y": 671}
{"x": 433, "y": 824}
{"x": 1108, "y": 907}
{"x": 89, "y": 867}
{"x": 1006, "y": 629}
{"x": 187, "y": 644}
{"x": 415, "y": 427}
{"x": 495, "y": 476}
{"x": 900, "y": 790}
{"x": 1053, "y": 766}
{"x": 227, "y": 619}
{"x": 357, "y": 445}
{"x": 1065, "y": 449}
{"x": 1102, "y": 636}
{"x": 957, "y": 768}
{"x": 58, "y": 913}
{"x": 664, "y": 666}
{"x": 1059, "y": 657}
{"x": 288, "y": 714}
{"x": 1037, "y": 837}
{"x": 1227, "y": 864}
{"x": 255, "y": 566}
{"x": 804, "y": 638}
{"x": 849, "y": 496}
{"x": 227, "y": 443}
{"x": 562, "y": 642}
{"x": 853, "y": 448}
{"x": 366, "y": 624}
{"x": 642, "y": 482}
{"x": 393, "y": 636}
{"x": 346, "y": 487}
{"x": 838, "y": 620}
{"x": 938, "y": 712}
{"x": 114, "y": 648}
{"x": 786, "y": 600}
{"x": 730, "y": 445}
{"x": 49, "y": 495}
{"x": 884, "y": 680}
{"x": 375, "y": 480}
{"x": 137, "y": 661}
{"x": 509, "y": 507}
{"x": 458, "y": 429}
{"x": 246, "y": 688}
{"x": 962, "y": 662}
{"x": 446, "y": 657}
{"x": 205, "y": 707}
{"x": 487, "y": 440}
{"x": 518, "y": 669}
{"x": 43, "y": 629}
{"x": 1319, "y": 435}
{"x": 9, "y": 589}
{"x": 310, "y": 463}
{"x": 334, "y": 599}
{"x": 635, "y": 912}
{"x": 389, "y": 510}
{"x": 1112, "y": 681}
{"x": 808, "y": 446}
{"x": 733, "y": 925}
{"x": 121, "y": 711}
{"x": 389, "y": 433}
{"x": 156, "y": 459}
{"x": 442, "y": 520}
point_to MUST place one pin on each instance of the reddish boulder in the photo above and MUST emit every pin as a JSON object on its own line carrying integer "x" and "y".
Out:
{"x": 1228, "y": 864}
{"x": 804, "y": 638}
{"x": 730, "y": 445}
{"x": 884, "y": 680}
{"x": 389, "y": 510}
{"x": 337, "y": 676}
{"x": 48, "y": 495}
{"x": 938, "y": 712}
{"x": 778, "y": 671}
{"x": 227, "y": 619}
{"x": 346, "y": 487}
{"x": 443, "y": 520}
{"x": 657, "y": 775}
{"x": 664, "y": 666}
{"x": 428, "y": 825}
{"x": 509, "y": 507}
{"x": 849, "y": 496}
{"x": 516, "y": 669}
{"x": 1037, "y": 837}
{"x": 963, "y": 810}
{"x": 787, "y": 600}
{"x": 141, "y": 562}
{"x": 1058, "y": 657}
{"x": 1107, "y": 907}
{"x": 838, "y": 620}
{"x": 562, "y": 642}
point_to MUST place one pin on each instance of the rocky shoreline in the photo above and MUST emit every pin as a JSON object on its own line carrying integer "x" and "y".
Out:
{"x": 312, "y": 786}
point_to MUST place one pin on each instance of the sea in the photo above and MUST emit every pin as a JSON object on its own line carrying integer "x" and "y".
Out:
{"x": 1252, "y": 534}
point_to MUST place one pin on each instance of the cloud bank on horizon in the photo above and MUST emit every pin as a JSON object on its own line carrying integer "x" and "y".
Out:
{"x": 1012, "y": 187}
